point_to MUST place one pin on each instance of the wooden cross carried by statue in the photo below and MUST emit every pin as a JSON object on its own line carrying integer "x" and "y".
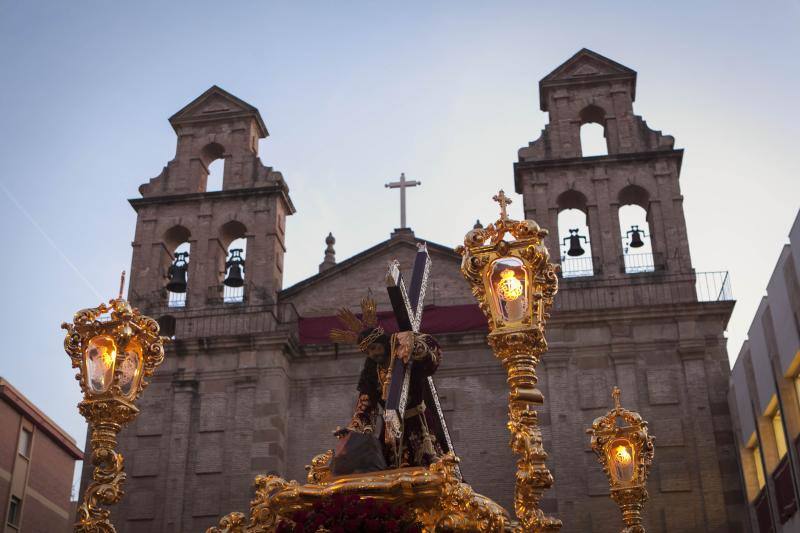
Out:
{"x": 407, "y": 304}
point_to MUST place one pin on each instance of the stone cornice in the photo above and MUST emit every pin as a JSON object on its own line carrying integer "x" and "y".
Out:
{"x": 592, "y": 162}
{"x": 279, "y": 188}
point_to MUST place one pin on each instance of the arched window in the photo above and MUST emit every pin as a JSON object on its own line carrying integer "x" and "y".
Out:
{"x": 234, "y": 279}
{"x": 593, "y": 133}
{"x": 178, "y": 276}
{"x": 176, "y": 264}
{"x": 573, "y": 236}
{"x": 213, "y": 157}
{"x": 235, "y": 272}
{"x": 637, "y": 246}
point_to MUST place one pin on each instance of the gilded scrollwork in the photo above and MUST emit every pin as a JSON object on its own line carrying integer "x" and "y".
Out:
{"x": 234, "y": 522}
{"x": 319, "y": 470}
{"x": 438, "y": 499}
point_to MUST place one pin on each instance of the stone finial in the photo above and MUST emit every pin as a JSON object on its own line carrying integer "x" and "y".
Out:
{"x": 477, "y": 225}
{"x": 330, "y": 253}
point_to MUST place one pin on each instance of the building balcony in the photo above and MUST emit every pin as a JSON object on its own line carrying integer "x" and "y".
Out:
{"x": 583, "y": 292}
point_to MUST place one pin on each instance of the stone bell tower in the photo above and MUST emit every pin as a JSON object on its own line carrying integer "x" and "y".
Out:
{"x": 215, "y": 414}
{"x": 654, "y": 328}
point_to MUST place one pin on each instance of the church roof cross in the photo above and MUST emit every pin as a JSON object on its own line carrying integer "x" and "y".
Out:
{"x": 403, "y": 184}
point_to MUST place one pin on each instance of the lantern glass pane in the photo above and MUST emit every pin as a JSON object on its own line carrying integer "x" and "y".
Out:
{"x": 131, "y": 369}
{"x": 99, "y": 359}
{"x": 509, "y": 288}
{"x": 621, "y": 457}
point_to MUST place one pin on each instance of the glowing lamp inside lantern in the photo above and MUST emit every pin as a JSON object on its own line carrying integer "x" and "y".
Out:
{"x": 509, "y": 288}
{"x": 621, "y": 458}
{"x": 508, "y": 285}
{"x": 98, "y": 360}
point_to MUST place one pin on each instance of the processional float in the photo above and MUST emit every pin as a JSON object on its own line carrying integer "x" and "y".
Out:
{"x": 509, "y": 271}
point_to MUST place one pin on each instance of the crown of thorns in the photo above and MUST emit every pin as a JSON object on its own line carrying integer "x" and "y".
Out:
{"x": 355, "y": 325}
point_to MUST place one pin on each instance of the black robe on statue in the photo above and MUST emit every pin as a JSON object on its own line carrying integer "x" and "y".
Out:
{"x": 365, "y": 439}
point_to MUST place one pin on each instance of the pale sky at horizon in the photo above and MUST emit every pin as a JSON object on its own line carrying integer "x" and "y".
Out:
{"x": 353, "y": 94}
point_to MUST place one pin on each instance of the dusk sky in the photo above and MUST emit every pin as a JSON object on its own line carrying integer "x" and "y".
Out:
{"x": 353, "y": 94}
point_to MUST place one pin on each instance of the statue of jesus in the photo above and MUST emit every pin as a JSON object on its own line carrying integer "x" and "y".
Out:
{"x": 372, "y": 440}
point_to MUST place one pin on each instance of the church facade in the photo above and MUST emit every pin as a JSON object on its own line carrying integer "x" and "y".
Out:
{"x": 252, "y": 385}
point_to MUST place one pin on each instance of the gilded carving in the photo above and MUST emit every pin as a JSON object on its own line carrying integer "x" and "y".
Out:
{"x": 517, "y": 341}
{"x": 109, "y": 405}
{"x": 626, "y": 453}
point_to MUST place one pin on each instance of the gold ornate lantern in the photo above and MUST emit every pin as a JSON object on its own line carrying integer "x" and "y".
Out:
{"x": 626, "y": 453}
{"x": 514, "y": 283}
{"x": 116, "y": 348}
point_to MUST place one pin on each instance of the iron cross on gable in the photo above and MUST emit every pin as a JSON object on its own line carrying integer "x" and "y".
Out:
{"x": 402, "y": 184}
{"x": 407, "y": 304}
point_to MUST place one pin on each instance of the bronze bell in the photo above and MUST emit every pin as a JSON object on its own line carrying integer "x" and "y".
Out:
{"x": 178, "y": 272}
{"x": 636, "y": 237}
{"x": 235, "y": 269}
{"x": 575, "y": 248}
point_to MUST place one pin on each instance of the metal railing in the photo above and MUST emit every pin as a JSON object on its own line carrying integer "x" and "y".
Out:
{"x": 232, "y": 295}
{"x": 637, "y": 263}
{"x": 656, "y": 288}
{"x": 713, "y": 287}
{"x": 176, "y": 299}
{"x": 578, "y": 267}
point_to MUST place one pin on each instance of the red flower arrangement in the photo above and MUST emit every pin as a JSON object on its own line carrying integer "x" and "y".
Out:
{"x": 351, "y": 514}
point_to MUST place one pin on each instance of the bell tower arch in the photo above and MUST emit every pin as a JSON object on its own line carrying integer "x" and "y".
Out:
{"x": 216, "y": 125}
{"x": 640, "y": 316}
{"x": 642, "y": 166}
{"x": 216, "y": 412}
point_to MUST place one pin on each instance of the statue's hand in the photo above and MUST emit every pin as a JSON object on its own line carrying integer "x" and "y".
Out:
{"x": 405, "y": 345}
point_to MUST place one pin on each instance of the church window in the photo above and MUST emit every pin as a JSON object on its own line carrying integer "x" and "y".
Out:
{"x": 214, "y": 159}
{"x": 176, "y": 264}
{"x": 593, "y": 140}
{"x": 573, "y": 236}
{"x": 178, "y": 276}
{"x": 637, "y": 248}
{"x": 233, "y": 266}
{"x": 593, "y": 132}
{"x": 215, "y": 172}
{"x": 234, "y": 281}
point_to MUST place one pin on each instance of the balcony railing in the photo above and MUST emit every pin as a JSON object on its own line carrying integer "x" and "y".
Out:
{"x": 636, "y": 263}
{"x": 657, "y": 288}
{"x": 714, "y": 287}
{"x": 578, "y": 267}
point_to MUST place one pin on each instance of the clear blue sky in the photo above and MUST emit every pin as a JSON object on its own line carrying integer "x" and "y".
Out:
{"x": 353, "y": 93}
